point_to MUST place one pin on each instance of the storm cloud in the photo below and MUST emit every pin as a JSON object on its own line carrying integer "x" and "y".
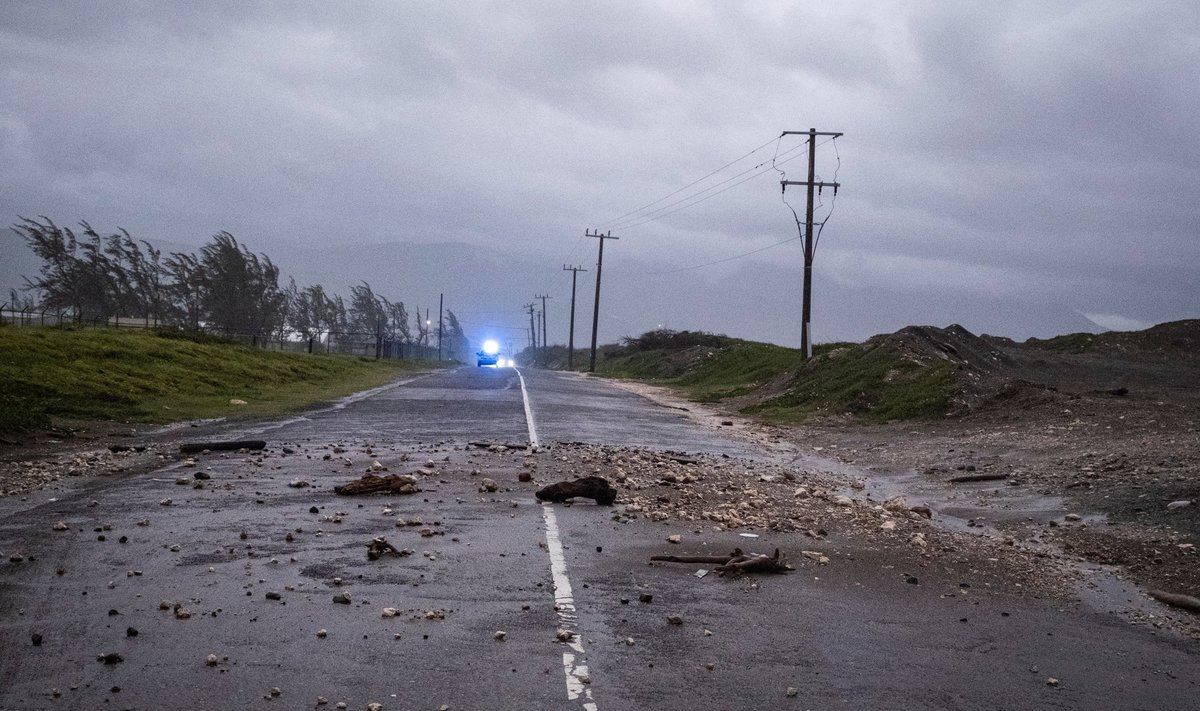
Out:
{"x": 1021, "y": 168}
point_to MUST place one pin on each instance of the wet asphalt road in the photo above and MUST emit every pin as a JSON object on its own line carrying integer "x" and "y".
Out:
{"x": 856, "y": 636}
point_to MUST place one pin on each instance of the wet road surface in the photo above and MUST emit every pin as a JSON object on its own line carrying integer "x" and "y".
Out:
{"x": 256, "y": 573}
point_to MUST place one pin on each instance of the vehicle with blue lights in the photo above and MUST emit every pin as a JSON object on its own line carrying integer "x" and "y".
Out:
{"x": 489, "y": 354}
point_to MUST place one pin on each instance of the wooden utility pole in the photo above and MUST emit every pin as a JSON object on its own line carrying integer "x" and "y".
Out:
{"x": 571, "y": 337}
{"x": 543, "y": 297}
{"x": 532, "y": 328}
{"x": 596, "y": 303}
{"x": 441, "y": 297}
{"x": 806, "y": 313}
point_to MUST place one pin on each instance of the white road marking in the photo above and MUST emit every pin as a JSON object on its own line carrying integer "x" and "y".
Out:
{"x": 574, "y": 660}
{"x": 533, "y": 438}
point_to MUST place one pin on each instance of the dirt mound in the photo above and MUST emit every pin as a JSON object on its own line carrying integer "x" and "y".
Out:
{"x": 1176, "y": 339}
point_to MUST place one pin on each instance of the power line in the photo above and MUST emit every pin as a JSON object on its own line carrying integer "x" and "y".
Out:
{"x": 619, "y": 218}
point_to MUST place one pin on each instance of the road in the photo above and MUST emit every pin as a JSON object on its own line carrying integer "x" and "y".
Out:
{"x": 257, "y": 571}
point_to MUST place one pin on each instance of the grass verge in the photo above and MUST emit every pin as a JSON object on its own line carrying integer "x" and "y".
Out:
{"x": 136, "y": 376}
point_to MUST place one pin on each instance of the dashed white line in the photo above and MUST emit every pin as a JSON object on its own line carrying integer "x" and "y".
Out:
{"x": 574, "y": 659}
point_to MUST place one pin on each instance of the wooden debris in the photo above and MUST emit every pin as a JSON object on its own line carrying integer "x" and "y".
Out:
{"x": 380, "y": 546}
{"x": 735, "y": 562}
{"x": 193, "y": 447}
{"x": 1186, "y": 602}
{"x": 591, "y": 487}
{"x": 373, "y": 484}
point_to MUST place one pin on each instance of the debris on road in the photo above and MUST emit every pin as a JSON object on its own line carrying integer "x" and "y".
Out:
{"x": 591, "y": 487}
{"x": 380, "y": 546}
{"x": 196, "y": 447}
{"x": 968, "y": 478}
{"x": 372, "y": 484}
{"x": 736, "y": 562}
{"x": 488, "y": 485}
{"x": 1186, "y": 602}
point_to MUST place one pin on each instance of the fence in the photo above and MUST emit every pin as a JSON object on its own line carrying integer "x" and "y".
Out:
{"x": 361, "y": 343}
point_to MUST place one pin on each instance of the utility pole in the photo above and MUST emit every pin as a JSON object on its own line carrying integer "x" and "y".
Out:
{"x": 532, "y": 328}
{"x": 543, "y": 297}
{"x": 811, "y": 183}
{"x": 596, "y": 302}
{"x": 571, "y": 338}
{"x": 440, "y": 302}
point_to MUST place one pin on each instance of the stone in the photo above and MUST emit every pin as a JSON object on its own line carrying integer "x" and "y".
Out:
{"x": 342, "y": 598}
{"x": 563, "y": 635}
{"x": 888, "y": 525}
{"x": 918, "y": 540}
{"x": 60, "y": 526}
{"x": 1051, "y": 681}
{"x": 675, "y": 538}
{"x": 1178, "y": 505}
{"x": 390, "y": 612}
{"x": 110, "y": 658}
{"x": 896, "y": 504}
{"x": 645, "y": 597}
{"x": 239, "y": 402}
{"x": 211, "y": 660}
{"x": 792, "y": 692}
{"x": 922, "y": 510}
{"x": 842, "y": 500}
{"x": 322, "y": 633}
{"x": 299, "y": 484}
{"x": 675, "y": 619}
{"x": 374, "y": 706}
{"x": 1072, "y": 517}
{"x": 202, "y": 476}
{"x": 629, "y": 642}
{"x": 816, "y": 556}
{"x": 525, "y": 476}
{"x": 272, "y": 595}
{"x": 499, "y": 635}
{"x": 275, "y": 691}
{"x": 488, "y": 485}
{"x": 801, "y": 493}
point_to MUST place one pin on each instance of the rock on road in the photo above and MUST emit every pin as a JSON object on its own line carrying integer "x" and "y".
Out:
{"x": 250, "y": 586}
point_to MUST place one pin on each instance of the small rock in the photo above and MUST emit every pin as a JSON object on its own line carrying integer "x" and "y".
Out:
{"x": 36, "y": 639}
{"x": 895, "y": 504}
{"x": 524, "y": 476}
{"x": 374, "y": 706}
{"x": 792, "y": 691}
{"x": 488, "y": 485}
{"x": 202, "y": 476}
{"x": 922, "y": 510}
{"x": 239, "y": 402}
{"x": 273, "y": 595}
{"x": 165, "y": 502}
{"x": 322, "y": 633}
{"x": 816, "y": 556}
{"x": 801, "y": 493}
{"x": 274, "y": 692}
{"x": 918, "y": 540}
{"x": 564, "y": 635}
{"x": 60, "y": 526}
{"x": 675, "y": 538}
{"x": 645, "y": 597}
{"x": 888, "y": 525}
{"x": 390, "y": 612}
{"x": 842, "y": 500}
{"x": 499, "y": 635}
{"x": 675, "y": 619}
{"x": 1051, "y": 681}
{"x": 629, "y": 642}
{"x": 299, "y": 484}
{"x": 321, "y": 701}
{"x": 1072, "y": 517}
{"x": 1178, "y": 505}
{"x": 211, "y": 660}
{"x": 342, "y": 598}
{"x": 110, "y": 658}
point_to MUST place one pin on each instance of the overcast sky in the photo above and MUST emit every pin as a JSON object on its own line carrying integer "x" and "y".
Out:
{"x": 1043, "y": 155}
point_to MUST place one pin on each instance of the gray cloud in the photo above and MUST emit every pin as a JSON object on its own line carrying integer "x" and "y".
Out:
{"x": 1043, "y": 155}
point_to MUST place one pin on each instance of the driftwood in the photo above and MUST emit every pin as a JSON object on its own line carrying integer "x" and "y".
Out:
{"x": 591, "y": 487}
{"x": 372, "y": 484}
{"x": 976, "y": 477}
{"x": 115, "y": 448}
{"x": 735, "y": 562}
{"x": 193, "y": 447}
{"x": 380, "y": 546}
{"x": 1187, "y": 602}
{"x": 506, "y": 445}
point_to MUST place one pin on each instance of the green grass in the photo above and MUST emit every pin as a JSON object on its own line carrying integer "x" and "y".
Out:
{"x": 868, "y": 382}
{"x": 1070, "y": 343}
{"x": 871, "y": 384}
{"x": 136, "y": 376}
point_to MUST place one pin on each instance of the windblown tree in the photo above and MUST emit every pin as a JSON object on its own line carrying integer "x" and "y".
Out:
{"x": 456, "y": 344}
{"x": 241, "y": 289}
